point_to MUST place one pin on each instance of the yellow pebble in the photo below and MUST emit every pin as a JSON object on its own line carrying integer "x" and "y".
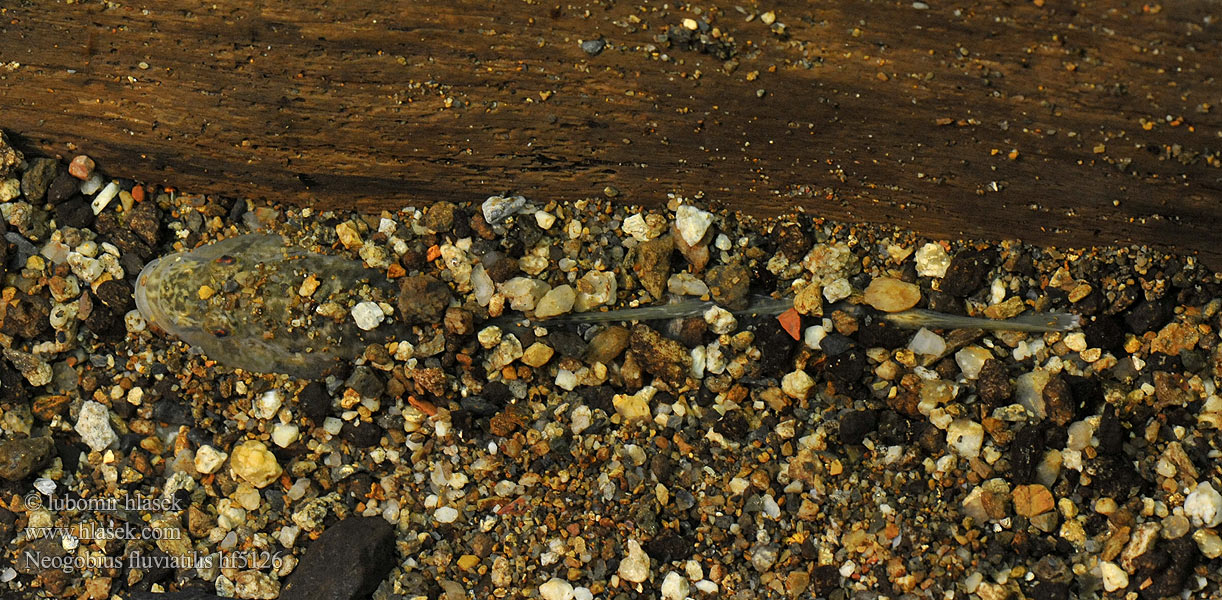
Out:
{"x": 205, "y": 292}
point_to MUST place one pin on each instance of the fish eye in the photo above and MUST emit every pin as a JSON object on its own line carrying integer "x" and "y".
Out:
{"x": 226, "y": 260}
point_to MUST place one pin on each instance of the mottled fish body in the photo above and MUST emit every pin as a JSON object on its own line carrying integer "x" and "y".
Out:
{"x": 238, "y": 302}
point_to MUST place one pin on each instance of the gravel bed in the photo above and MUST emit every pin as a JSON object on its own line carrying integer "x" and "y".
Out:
{"x": 823, "y": 454}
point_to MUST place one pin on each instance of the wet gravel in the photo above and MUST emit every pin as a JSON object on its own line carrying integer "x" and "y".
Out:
{"x": 706, "y": 456}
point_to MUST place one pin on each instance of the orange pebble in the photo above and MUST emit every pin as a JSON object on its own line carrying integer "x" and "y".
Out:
{"x": 434, "y": 253}
{"x": 138, "y": 193}
{"x": 791, "y": 321}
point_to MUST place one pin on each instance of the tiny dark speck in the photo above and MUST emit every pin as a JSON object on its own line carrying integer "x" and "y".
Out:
{"x": 306, "y": 180}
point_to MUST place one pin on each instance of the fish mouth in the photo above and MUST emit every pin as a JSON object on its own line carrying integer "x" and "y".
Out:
{"x": 142, "y": 282}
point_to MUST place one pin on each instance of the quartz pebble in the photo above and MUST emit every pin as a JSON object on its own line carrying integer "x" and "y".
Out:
{"x": 892, "y": 295}
{"x": 634, "y": 567}
{"x": 927, "y": 342}
{"x": 254, "y": 463}
{"x": 368, "y": 315}
{"x": 692, "y": 223}
{"x": 499, "y": 208}
{"x": 932, "y": 260}
{"x": 557, "y": 301}
{"x": 208, "y": 459}
{"x": 556, "y": 589}
{"x": 675, "y": 586}
{"x": 93, "y": 425}
{"x": 1204, "y": 506}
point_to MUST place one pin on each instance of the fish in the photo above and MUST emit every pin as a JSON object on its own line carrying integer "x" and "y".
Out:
{"x": 237, "y": 301}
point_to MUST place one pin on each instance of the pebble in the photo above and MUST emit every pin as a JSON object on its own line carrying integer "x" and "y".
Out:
{"x": 368, "y": 315}
{"x": 208, "y": 459}
{"x": 81, "y": 167}
{"x": 92, "y": 184}
{"x": 537, "y": 355}
{"x": 556, "y": 589}
{"x": 675, "y": 586}
{"x": 926, "y": 342}
{"x": 37, "y": 178}
{"x": 809, "y": 300}
{"x": 837, "y": 290}
{"x": 686, "y": 284}
{"x": 797, "y": 384}
{"x": 892, "y": 295}
{"x": 523, "y": 293}
{"x": 593, "y": 47}
{"x": 653, "y": 265}
{"x": 557, "y": 301}
{"x": 692, "y": 223}
{"x": 35, "y": 370}
{"x": 644, "y": 228}
{"x": 932, "y": 260}
{"x": 720, "y": 320}
{"x": 1114, "y": 578}
{"x": 971, "y": 360}
{"x": 729, "y": 285}
{"x": 634, "y": 567}
{"x": 445, "y": 514}
{"x": 544, "y": 219}
{"x": 595, "y": 289}
{"x": 634, "y": 406}
{"x": 1204, "y": 506}
{"x": 254, "y": 463}
{"x": 498, "y": 208}
{"x": 423, "y": 298}
{"x": 1029, "y": 391}
{"x": 102, "y": 200}
{"x": 22, "y": 457}
{"x": 93, "y": 425}
{"x": 966, "y": 437}
{"x": 361, "y": 548}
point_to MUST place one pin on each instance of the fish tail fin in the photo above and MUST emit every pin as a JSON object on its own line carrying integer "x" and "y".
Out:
{"x": 1033, "y": 322}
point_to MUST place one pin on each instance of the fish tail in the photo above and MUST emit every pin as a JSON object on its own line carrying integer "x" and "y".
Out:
{"x": 1033, "y": 322}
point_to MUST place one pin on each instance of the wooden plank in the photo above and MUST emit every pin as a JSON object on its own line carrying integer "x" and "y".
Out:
{"x": 869, "y": 111}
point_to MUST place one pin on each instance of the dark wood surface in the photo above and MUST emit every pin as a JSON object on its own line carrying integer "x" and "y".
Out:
{"x": 1072, "y": 123}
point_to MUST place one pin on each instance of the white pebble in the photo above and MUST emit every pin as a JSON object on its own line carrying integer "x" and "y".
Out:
{"x": 556, "y": 589}
{"x": 813, "y": 336}
{"x": 209, "y": 459}
{"x": 91, "y": 185}
{"x": 1204, "y": 506}
{"x": 966, "y": 437}
{"x": 284, "y": 434}
{"x": 692, "y": 223}
{"x": 932, "y": 260}
{"x": 675, "y": 586}
{"x": 545, "y": 219}
{"x": 927, "y": 342}
{"x": 368, "y": 315}
{"x": 93, "y": 425}
{"x": 104, "y": 197}
{"x": 445, "y": 514}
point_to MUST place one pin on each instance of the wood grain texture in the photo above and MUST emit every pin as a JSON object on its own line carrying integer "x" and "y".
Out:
{"x": 866, "y": 111}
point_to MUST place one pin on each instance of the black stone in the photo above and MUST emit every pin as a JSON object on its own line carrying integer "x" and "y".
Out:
{"x": 1148, "y": 316}
{"x": 347, "y": 562}
{"x": 63, "y": 187}
{"x": 847, "y": 366}
{"x": 361, "y": 434}
{"x": 856, "y": 425}
{"x": 1104, "y": 332}
{"x": 314, "y": 402}
{"x": 967, "y": 273}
